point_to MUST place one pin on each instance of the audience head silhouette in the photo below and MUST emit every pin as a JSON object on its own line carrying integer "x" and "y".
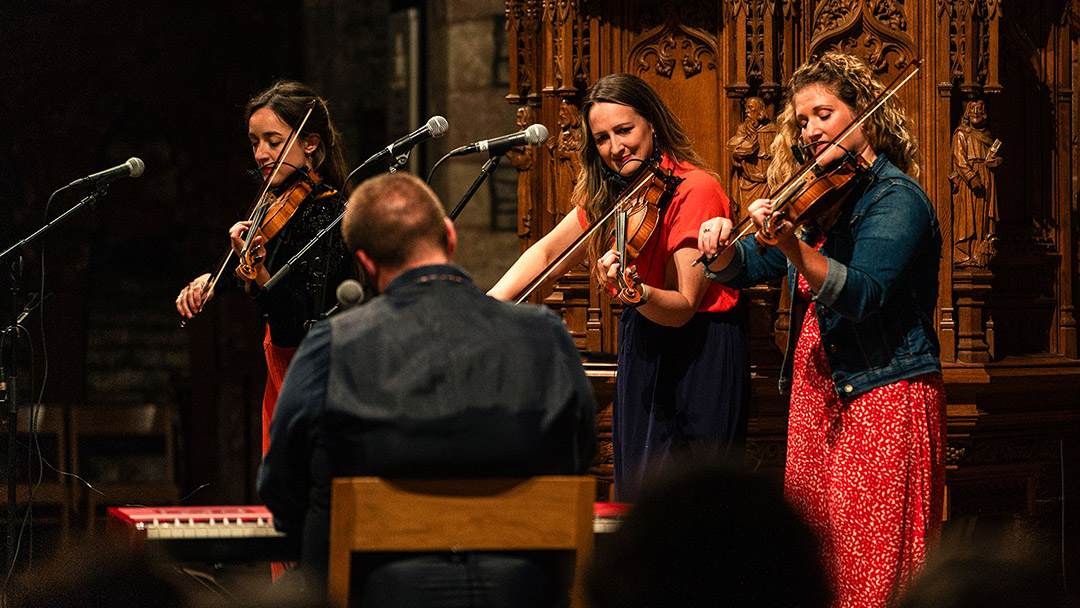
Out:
{"x": 710, "y": 535}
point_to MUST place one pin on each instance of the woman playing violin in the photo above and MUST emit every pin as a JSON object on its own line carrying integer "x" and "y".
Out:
{"x": 314, "y": 165}
{"x": 865, "y": 456}
{"x": 683, "y": 361}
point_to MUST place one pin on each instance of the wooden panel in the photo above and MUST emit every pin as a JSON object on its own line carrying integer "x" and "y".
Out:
{"x": 680, "y": 63}
{"x": 538, "y": 513}
{"x": 1006, "y": 324}
{"x": 487, "y": 514}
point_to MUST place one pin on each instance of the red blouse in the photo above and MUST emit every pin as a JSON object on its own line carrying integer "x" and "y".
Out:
{"x": 698, "y": 198}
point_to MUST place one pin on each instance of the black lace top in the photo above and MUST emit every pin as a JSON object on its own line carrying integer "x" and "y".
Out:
{"x": 308, "y": 291}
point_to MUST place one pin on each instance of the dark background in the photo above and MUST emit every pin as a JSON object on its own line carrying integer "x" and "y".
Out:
{"x": 84, "y": 86}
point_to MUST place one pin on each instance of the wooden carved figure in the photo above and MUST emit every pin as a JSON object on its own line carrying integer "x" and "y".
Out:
{"x": 522, "y": 158}
{"x": 567, "y": 157}
{"x": 751, "y": 153}
{"x": 975, "y": 210}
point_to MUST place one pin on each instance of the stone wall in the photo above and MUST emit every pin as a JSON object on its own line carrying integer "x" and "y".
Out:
{"x": 462, "y": 80}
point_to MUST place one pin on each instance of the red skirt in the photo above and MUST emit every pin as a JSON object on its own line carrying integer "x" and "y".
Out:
{"x": 867, "y": 474}
{"x": 277, "y": 361}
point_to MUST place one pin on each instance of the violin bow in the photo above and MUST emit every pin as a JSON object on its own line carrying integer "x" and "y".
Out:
{"x": 794, "y": 184}
{"x": 256, "y": 207}
{"x": 639, "y": 182}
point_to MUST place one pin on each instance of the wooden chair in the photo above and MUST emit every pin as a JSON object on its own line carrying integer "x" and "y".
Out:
{"x": 551, "y": 513}
{"x": 54, "y": 492}
{"x": 146, "y": 476}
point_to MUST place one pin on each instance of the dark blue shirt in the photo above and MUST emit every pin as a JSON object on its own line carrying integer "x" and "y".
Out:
{"x": 432, "y": 379}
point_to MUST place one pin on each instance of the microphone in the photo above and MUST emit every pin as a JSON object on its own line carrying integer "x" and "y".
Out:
{"x": 436, "y": 126}
{"x": 132, "y": 168}
{"x": 349, "y": 293}
{"x": 798, "y": 150}
{"x": 532, "y": 136}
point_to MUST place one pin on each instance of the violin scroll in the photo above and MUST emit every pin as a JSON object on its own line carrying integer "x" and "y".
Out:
{"x": 766, "y": 235}
{"x": 636, "y": 219}
{"x": 631, "y": 290}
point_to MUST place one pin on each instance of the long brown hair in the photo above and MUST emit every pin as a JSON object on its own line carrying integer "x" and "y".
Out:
{"x": 591, "y": 190}
{"x": 853, "y": 82}
{"x": 288, "y": 99}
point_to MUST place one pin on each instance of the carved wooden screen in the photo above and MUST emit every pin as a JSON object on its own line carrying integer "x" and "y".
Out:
{"x": 992, "y": 70}
{"x": 1008, "y": 285}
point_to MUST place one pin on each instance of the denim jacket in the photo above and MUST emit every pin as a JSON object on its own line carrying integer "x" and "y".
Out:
{"x": 876, "y": 306}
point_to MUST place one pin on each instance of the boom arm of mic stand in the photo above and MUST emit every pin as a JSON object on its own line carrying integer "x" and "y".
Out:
{"x": 489, "y": 166}
{"x": 287, "y": 268}
{"x": 88, "y": 200}
{"x": 398, "y": 162}
{"x": 284, "y": 271}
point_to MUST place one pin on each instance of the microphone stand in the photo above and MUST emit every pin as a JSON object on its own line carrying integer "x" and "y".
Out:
{"x": 399, "y": 162}
{"x": 89, "y": 200}
{"x": 488, "y": 168}
{"x": 9, "y": 379}
{"x": 9, "y": 396}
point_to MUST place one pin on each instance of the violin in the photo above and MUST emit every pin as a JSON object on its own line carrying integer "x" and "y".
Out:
{"x": 637, "y": 214}
{"x": 814, "y": 197}
{"x": 814, "y": 191}
{"x": 259, "y": 207}
{"x": 270, "y": 217}
{"x": 635, "y": 221}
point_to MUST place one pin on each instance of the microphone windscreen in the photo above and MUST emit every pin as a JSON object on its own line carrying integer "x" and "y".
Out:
{"x": 137, "y": 166}
{"x": 536, "y": 134}
{"x": 349, "y": 293}
{"x": 438, "y": 126}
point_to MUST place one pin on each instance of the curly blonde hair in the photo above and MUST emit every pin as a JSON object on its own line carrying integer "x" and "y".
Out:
{"x": 852, "y": 81}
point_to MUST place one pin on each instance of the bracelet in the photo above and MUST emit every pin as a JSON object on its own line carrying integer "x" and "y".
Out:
{"x": 644, "y": 295}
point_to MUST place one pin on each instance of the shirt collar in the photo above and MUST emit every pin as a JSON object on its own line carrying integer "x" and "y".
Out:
{"x": 879, "y": 164}
{"x": 431, "y": 272}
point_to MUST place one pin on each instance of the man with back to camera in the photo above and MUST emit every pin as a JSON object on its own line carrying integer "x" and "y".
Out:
{"x": 432, "y": 379}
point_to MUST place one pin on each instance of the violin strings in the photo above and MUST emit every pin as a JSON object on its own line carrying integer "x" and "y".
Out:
{"x": 547, "y": 272}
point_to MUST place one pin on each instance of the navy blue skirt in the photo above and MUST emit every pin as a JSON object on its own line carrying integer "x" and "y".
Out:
{"x": 678, "y": 390}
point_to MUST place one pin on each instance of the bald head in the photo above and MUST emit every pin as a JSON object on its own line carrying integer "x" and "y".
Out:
{"x": 395, "y": 219}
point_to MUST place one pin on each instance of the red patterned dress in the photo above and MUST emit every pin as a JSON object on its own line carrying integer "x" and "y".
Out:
{"x": 867, "y": 474}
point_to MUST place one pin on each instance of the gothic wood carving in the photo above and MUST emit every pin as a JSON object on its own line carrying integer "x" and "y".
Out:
{"x": 523, "y": 24}
{"x": 975, "y": 195}
{"x": 973, "y": 42}
{"x": 666, "y": 49}
{"x": 523, "y": 158}
{"x": 680, "y": 62}
{"x": 566, "y": 158}
{"x": 751, "y": 152}
{"x": 1006, "y": 320}
{"x": 876, "y": 30}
